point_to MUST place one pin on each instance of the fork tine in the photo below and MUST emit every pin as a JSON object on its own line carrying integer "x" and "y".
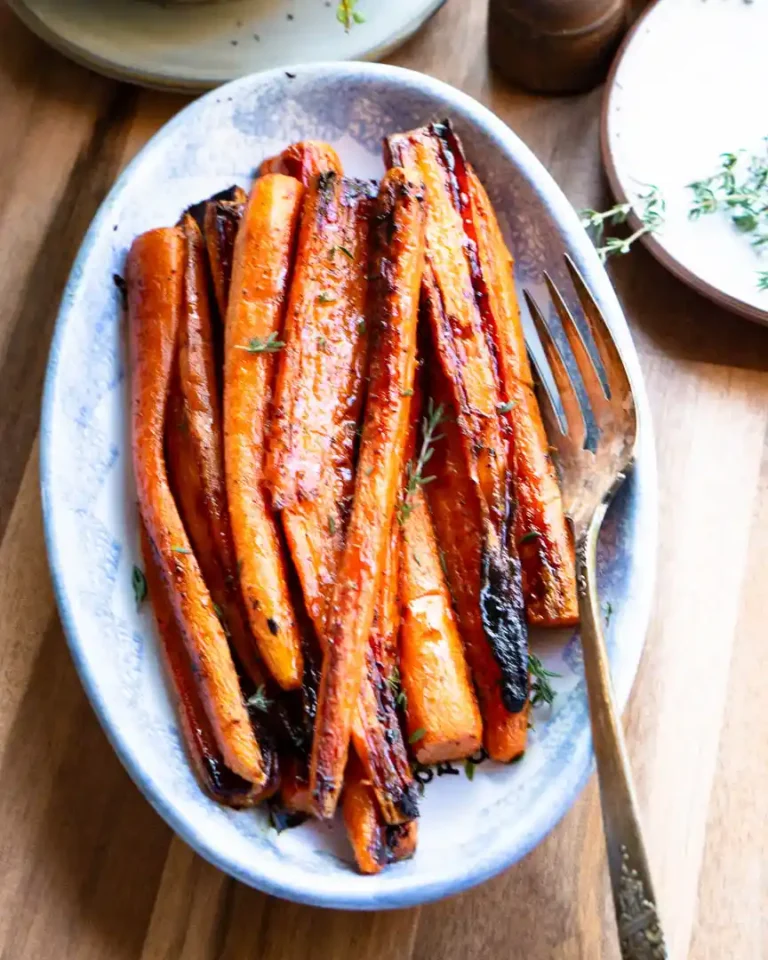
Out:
{"x": 616, "y": 374}
{"x": 589, "y": 375}
{"x": 574, "y": 418}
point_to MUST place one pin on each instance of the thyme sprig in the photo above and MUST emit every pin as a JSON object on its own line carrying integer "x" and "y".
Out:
{"x": 268, "y": 344}
{"x": 542, "y": 690}
{"x": 347, "y": 14}
{"x": 738, "y": 188}
{"x": 259, "y": 699}
{"x": 651, "y": 214}
{"x": 415, "y": 472}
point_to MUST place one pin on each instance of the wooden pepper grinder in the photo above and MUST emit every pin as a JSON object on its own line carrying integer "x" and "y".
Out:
{"x": 555, "y": 46}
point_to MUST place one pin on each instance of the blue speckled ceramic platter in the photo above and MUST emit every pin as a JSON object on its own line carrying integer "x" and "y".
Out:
{"x": 469, "y": 830}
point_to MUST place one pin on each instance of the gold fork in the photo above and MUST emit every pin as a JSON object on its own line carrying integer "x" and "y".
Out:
{"x": 589, "y": 479}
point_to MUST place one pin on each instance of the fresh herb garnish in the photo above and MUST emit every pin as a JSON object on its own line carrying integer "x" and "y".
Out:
{"x": 651, "y": 216}
{"x": 268, "y": 344}
{"x": 469, "y": 769}
{"x": 331, "y": 525}
{"x": 394, "y": 683}
{"x": 608, "y": 611}
{"x": 531, "y": 535}
{"x": 139, "y": 582}
{"x": 406, "y": 393}
{"x": 181, "y": 550}
{"x": 346, "y": 251}
{"x": 739, "y": 189}
{"x": 417, "y": 735}
{"x": 415, "y": 473}
{"x": 506, "y": 407}
{"x": 541, "y": 689}
{"x": 347, "y": 14}
{"x": 259, "y": 700}
{"x": 326, "y": 298}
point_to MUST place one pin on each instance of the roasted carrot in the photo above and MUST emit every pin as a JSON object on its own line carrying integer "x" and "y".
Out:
{"x": 443, "y": 719}
{"x": 262, "y": 259}
{"x": 221, "y": 222}
{"x": 194, "y": 451}
{"x": 374, "y": 842}
{"x": 398, "y": 264}
{"x": 304, "y": 161}
{"x": 465, "y": 356}
{"x": 319, "y": 393}
{"x": 457, "y": 517}
{"x": 204, "y": 754}
{"x": 543, "y": 536}
{"x": 155, "y": 274}
{"x": 376, "y": 734}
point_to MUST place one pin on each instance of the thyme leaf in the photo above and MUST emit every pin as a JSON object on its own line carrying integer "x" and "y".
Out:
{"x": 268, "y": 344}
{"x": 139, "y": 583}
{"x": 415, "y": 472}
{"x": 541, "y": 689}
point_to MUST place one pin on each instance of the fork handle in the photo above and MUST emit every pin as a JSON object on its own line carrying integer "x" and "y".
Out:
{"x": 640, "y": 933}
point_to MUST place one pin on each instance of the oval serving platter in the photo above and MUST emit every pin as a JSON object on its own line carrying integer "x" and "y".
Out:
{"x": 469, "y": 831}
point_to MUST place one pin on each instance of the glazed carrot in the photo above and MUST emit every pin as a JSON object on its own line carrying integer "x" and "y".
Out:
{"x": 205, "y": 757}
{"x": 375, "y": 843}
{"x": 304, "y": 161}
{"x": 398, "y": 264}
{"x": 457, "y": 519}
{"x": 465, "y": 356}
{"x": 220, "y": 225}
{"x": 442, "y": 716}
{"x": 154, "y": 275}
{"x": 376, "y": 733}
{"x": 263, "y": 252}
{"x": 543, "y": 536}
{"x": 194, "y": 452}
{"x": 318, "y": 395}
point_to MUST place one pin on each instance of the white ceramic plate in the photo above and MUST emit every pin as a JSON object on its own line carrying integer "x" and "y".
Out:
{"x": 196, "y": 46}
{"x": 469, "y": 830}
{"x": 687, "y": 87}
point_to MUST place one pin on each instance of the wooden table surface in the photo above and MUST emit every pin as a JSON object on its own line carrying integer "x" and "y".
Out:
{"x": 88, "y": 870}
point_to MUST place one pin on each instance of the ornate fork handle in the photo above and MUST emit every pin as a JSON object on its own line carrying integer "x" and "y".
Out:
{"x": 640, "y": 932}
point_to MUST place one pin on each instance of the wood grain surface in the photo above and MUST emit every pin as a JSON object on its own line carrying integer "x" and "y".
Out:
{"x": 88, "y": 870}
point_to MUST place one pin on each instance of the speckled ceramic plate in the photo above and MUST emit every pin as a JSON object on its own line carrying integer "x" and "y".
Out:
{"x": 469, "y": 830}
{"x": 196, "y": 46}
{"x": 684, "y": 90}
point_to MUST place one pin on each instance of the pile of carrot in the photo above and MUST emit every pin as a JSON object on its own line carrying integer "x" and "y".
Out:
{"x": 349, "y": 513}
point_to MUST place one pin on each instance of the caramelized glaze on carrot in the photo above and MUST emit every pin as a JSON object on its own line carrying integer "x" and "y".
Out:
{"x": 304, "y": 161}
{"x": 154, "y": 275}
{"x": 399, "y": 258}
{"x": 319, "y": 392}
{"x": 465, "y": 356}
{"x": 543, "y": 536}
{"x": 374, "y": 842}
{"x": 263, "y": 255}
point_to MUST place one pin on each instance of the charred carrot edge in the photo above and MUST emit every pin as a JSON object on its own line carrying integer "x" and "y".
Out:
{"x": 543, "y": 536}
{"x": 194, "y": 452}
{"x": 318, "y": 396}
{"x": 263, "y": 253}
{"x": 214, "y": 777}
{"x": 457, "y": 518}
{"x": 294, "y": 785}
{"x": 399, "y": 259}
{"x": 464, "y": 354}
{"x": 374, "y": 843}
{"x": 376, "y": 734}
{"x": 154, "y": 274}
{"x": 220, "y": 225}
{"x": 304, "y": 161}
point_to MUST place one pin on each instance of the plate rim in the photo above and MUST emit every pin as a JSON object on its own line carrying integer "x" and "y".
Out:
{"x": 175, "y": 83}
{"x": 561, "y": 210}
{"x": 652, "y": 244}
